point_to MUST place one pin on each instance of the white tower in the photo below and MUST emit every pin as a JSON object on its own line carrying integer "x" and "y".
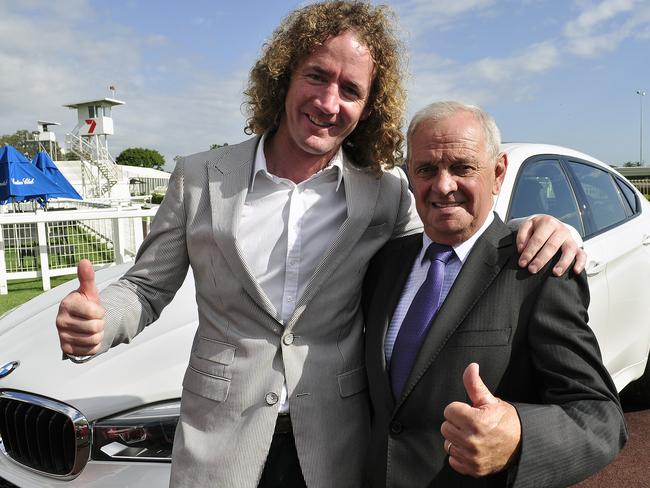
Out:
{"x": 89, "y": 141}
{"x": 45, "y": 139}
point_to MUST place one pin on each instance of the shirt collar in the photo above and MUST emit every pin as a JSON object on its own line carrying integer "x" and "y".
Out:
{"x": 461, "y": 250}
{"x": 259, "y": 165}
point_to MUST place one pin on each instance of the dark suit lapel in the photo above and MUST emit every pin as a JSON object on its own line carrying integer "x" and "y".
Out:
{"x": 228, "y": 179}
{"x": 393, "y": 271}
{"x": 486, "y": 259}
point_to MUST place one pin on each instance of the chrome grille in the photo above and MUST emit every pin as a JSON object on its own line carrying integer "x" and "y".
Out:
{"x": 43, "y": 435}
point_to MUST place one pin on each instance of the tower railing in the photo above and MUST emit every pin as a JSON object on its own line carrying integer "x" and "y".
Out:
{"x": 94, "y": 156}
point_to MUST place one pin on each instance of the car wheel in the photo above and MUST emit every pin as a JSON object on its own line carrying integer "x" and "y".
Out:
{"x": 638, "y": 392}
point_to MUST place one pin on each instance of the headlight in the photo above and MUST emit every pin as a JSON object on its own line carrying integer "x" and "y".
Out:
{"x": 146, "y": 434}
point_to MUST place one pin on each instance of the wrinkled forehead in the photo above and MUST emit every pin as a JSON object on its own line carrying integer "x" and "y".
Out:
{"x": 452, "y": 137}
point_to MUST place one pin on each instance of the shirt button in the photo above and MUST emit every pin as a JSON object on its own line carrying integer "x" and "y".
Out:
{"x": 395, "y": 427}
{"x": 289, "y": 299}
{"x": 271, "y": 398}
{"x": 288, "y": 339}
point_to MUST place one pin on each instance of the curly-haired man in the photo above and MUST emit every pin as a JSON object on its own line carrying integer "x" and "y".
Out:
{"x": 279, "y": 230}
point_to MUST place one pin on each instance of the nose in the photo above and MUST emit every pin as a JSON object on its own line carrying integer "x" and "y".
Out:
{"x": 444, "y": 183}
{"x": 328, "y": 99}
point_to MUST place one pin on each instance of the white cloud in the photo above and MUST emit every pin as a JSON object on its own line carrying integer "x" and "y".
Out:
{"x": 601, "y": 27}
{"x": 483, "y": 81}
{"x": 206, "y": 112}
{"x": 417, "y": 16}
{"x": 598, "y": 14}
{"x": 536, "y": 59}
{"x": 50, "y": 57}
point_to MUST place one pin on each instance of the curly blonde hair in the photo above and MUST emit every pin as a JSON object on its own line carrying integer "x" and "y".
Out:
{"x": 376, "y": 142}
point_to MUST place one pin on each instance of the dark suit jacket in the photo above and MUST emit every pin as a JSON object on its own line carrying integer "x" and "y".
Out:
{"x": 530, "y": 336}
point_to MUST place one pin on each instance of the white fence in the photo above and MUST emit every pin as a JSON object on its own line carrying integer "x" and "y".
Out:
{"x": 642, "y": 184}
{"x": 46, "y": 244}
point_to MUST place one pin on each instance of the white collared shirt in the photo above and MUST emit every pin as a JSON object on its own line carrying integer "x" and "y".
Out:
{"x": 285, "y": 229}
{"x": 418, "y": 275}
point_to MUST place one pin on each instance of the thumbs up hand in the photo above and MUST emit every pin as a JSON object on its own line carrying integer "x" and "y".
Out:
{"x": 80, "y": 321}
{"x": 481, "y": 438}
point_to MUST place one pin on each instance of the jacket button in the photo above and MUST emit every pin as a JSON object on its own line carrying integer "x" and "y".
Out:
{"x": 395, "y": 427}
{"x": 288, "y": 339}
{"x": 271, "y": 398}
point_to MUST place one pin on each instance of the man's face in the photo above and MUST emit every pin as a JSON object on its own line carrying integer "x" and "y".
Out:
{"x": 453, "y": 178}
{"x": 326, "y": 98}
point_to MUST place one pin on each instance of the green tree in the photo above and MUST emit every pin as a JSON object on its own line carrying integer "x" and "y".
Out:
{"x": 20, "y": 140}
{"x": 25, "y": 142}
{"x": 217, "y": 146}
{"x": 139, "y": 156}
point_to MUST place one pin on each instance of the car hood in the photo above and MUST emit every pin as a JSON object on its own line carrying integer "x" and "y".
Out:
{"x": 149, "y": 369}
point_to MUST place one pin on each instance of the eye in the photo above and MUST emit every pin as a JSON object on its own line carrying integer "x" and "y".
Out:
{"x": 316, "y": 77}
{"x": 462, "y": 169}
{"x": 351, "y": 92}
{"x": 425, "y": 171}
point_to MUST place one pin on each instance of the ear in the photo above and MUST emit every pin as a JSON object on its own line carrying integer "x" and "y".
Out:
{"x": 500, "y": 168}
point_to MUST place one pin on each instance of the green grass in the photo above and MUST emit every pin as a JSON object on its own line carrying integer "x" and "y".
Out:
{"x": 73, "y": 244}
{"x": 22, "y": 290}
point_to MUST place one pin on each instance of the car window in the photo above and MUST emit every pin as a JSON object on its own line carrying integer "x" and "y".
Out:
{"x": 604, "y": 202}
{"x": 542, "y": 187}
{"x": 630, "y": 198}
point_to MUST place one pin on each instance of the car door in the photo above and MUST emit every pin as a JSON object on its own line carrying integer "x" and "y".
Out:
{"x": 614, "y": 236}
{"x": 544, "y": 186}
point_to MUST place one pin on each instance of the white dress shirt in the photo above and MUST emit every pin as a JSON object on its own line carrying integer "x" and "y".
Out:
{"x": 418, "y": 275}
{"x": 285, "y": 228}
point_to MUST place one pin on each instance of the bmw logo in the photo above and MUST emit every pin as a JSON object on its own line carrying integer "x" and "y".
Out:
{"x": 6, "y": 369}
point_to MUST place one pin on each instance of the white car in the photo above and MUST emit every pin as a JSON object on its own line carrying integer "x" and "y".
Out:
{"x": 110, "y": 422}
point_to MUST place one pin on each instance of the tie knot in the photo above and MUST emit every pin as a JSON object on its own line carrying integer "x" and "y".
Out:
{"x": 439, "y": 252}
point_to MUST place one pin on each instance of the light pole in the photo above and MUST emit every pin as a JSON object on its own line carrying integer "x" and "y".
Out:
{"x": 641, "y": 94}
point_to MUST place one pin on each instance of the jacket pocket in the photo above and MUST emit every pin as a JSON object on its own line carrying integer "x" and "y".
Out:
{"x": 215, "y": 351}
{"x": 353, "y": 381}
{"x": 481, "y": 338}
{"x": 209, "y": 386}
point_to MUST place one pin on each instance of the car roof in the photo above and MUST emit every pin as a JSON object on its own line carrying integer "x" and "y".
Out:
{"x": 520, "y": 151}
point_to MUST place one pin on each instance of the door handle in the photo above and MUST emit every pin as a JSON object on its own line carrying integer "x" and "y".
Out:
{"x": 593, "y": 268}
{"x": 645, "y": 240}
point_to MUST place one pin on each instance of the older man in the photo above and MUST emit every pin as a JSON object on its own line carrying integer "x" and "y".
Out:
{"x": 543, "y": 412}
{"x": 279, "y": 231}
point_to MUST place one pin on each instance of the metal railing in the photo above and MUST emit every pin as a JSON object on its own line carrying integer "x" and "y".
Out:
{"x": 98, "y": 157}
{"x": 45, "y": 244}
{"x": 642, "y": 184}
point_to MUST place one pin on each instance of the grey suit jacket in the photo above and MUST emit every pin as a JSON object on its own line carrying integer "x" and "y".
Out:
{"x": 530, "y": 336}
{"x": 241, "y": 355}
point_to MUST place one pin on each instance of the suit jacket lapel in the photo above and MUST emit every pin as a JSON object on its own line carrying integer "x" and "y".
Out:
{"x": 361, "y": 191}
{"x": 228, "y": 179}
{"x": 395, "y": 270}
{"x": 485, "y": 261}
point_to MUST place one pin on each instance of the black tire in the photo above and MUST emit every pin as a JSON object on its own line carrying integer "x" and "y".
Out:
{"x": 637, "y": 393}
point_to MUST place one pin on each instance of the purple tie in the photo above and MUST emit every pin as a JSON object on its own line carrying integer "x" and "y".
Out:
{"x": 418, "y": 318}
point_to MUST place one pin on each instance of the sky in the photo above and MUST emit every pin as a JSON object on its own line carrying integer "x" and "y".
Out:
{"x": 554, "y": 71}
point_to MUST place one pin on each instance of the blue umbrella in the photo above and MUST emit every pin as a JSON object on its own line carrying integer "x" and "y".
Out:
{"x": 20, "y": 180}
{"x": 43, "y": 162}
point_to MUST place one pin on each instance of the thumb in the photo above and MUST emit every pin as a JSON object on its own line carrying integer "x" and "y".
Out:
{"x": 476, "y": 390}
{"x": 86, "y": 275}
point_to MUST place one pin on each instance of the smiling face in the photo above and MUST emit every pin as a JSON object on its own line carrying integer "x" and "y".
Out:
{"x": 453, "y": 176}
{"x": 326, "y": 99}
